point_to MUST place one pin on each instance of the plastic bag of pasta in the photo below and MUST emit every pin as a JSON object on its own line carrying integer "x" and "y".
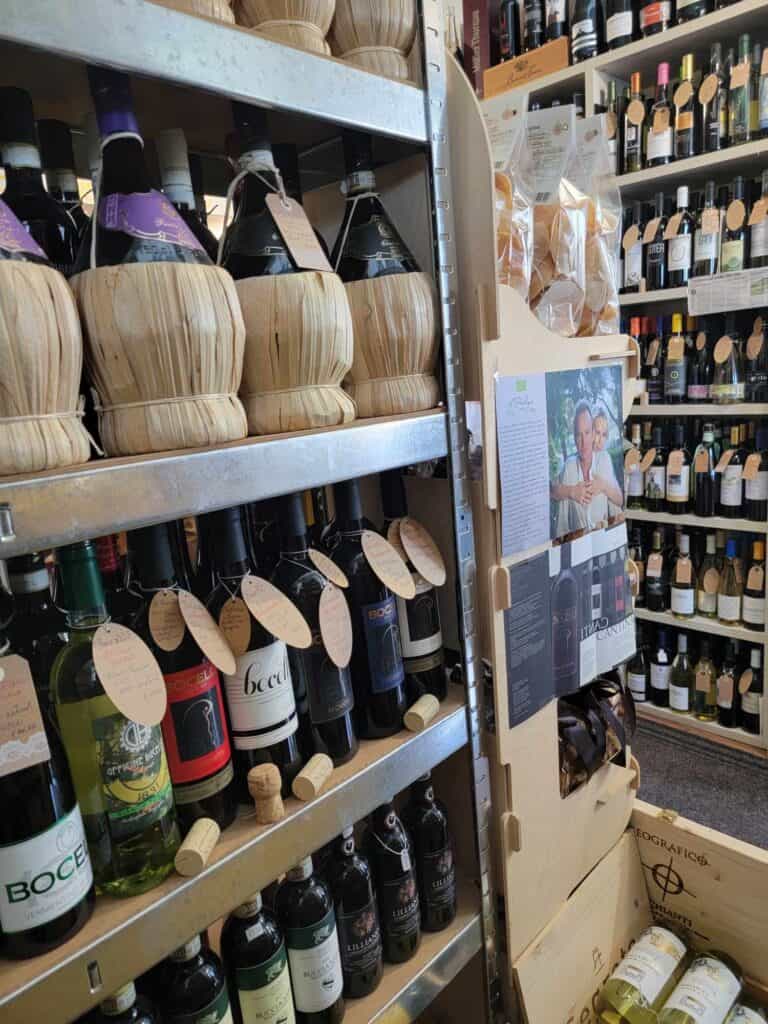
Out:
{"x": 514, "y": 209}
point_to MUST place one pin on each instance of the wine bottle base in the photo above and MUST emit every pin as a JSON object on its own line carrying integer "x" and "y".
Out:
{"x": 134, "y": 885}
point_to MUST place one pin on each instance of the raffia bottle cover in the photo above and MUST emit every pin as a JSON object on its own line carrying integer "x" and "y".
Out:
{"x": 375, "y": 36}
{"x": 221, "y": 10}
{"x": 41, "y": 358}
{"x": 301, "y": 23}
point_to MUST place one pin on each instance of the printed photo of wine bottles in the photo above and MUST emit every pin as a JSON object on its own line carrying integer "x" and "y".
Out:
{"x": 320, "y": 935}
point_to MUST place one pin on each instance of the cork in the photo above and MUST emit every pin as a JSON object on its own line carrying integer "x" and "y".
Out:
{"x": 192, "y": 855}
{"x": 264, "y": 784}
{"x": 419, "y": 715}
{"x": 312, "y": 778}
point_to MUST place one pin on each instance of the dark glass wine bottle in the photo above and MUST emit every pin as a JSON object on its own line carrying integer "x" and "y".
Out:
{"x": 633, "y": 257}
{"x": 659, "y": 139}
{"x": 58, "y": 161}
{"x": 556, "y": 18}
{"x": 377, "y": 660}
{"x": 390, "y": 852}
{"x": 706, "y": 243}
{"x": 753, "y": 598}
{"x": 661, "y": 669}
{"x": 16, "y": 243}
{"x": 565, "y": 625}
{"x": 46, "y": 880}
{"x": 533, "y": 25}
{"x": 587, "y": 37}
{"x": 685, "y": 119}
{"x": 751, "y": 700}
{"x": 304, "y": 909}
{"x": 714, "y": 104}
{"x": 655, "y": 16}
{"x": 756, "y": 488}
{"x": 260, "y": 697}
{"x": 732, "y": 480}
{"x": 704, "y": 482}
{"x": 509, "y": 29}
{"x": 426, "y": 819}
{"x": 637, "y": 553}
{"x": 176, "y": 178}
{"x": 656, "y": 277}
{"x": 368, "y": 244}
{"x": 758, "y": 233}
{"x": 195, "y": 987}
{"x": 688, "y": 10}
{"x": 728, "y": 704}
{"x": 620, "y": 23}
{"x": 656, "y": 576}
{"x": 122, "y": 605}
{"x": 46, "y": 220}
{"x": 421, "y": 637}
{"x": 195, "y": 725}
{"x": 256, "y": 964}
{"x": 124, "y": 1006}
{"x": 756, "y": 363}
{"x": 357, "y": 917}
{"x": 740, "y": 95}
{"x": 633, "y": 126}
{"x": 135, "y": 223}
{"x": 264, "y": 535}
{"x": 656, "y": 475}
{"x": 678, "y": 473}
{"x": 324, "y": 693}
{"x": 733, "y": 245}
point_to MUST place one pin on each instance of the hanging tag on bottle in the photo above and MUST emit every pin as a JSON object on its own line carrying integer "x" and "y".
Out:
{"x": 745, "y": 681}
{"x": 611, "y": 125}
{"x": 235, "y": 624}
{"x": 711, "y": 581}
{"x": 701, "y": 341}
{"x": 740, "y": 74}
{"x": 636, "y": 112}
{"x": 388, "y": 565}
{"x": 756, "y": 578}
{"x": 276, "y": 612}
{"x": 660, "y": 121}
{"x": 328, "y": 568}
{"x": 336, "y": 625}
{"x": 725, "y": 458}
{"x": 423, "y": 554}
{"x": 405, "y": 860}
{"x": 23, "y": 742}
{"x": 206, "y": 633}
{"x": 675, "y": 462}
{"x": 673, "y": 226}
{"x": 738, "y": 568}
{"x": 298, "y": 234}
{"x": 166, "y": 625}
{"x": 650, "y": 229}
{"x": 722, "y": 349}
{"x": 764, "y": 62}
{"x": 683, "y": 93}
{"x": 654, "y": 565}
{"x": 393, "y": 536}
{"x": 683, "y": 571}
{"x": 631, "y": 237}
{"x": 710, "y": 221}
{"x": 735, "y": 214}
{"x": 653, "y": 351}
{"x": 631, "y": 459}
{"x": 755, "y": 344}
{"x": 129, "y": 673}
{"x": 751, "y": 466}
{"x": 648, "y": 458}
{"x": 725, "y": 691}
{"x": 708, "y": 89}
{"x": 702, "y": 682}
{"x": 759, "y": 210}
{"x": 701, "y": 462}
{"x": 676, "y": 347}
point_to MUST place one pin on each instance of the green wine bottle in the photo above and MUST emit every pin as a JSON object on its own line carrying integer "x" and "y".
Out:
{"x": 706, "y": 992}
{"x": 705, "y": 691}
{"x": 643, "y": 979}
{"x": 118, "y": 766}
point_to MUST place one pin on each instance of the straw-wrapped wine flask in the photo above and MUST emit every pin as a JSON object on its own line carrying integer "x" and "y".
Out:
{"x": 164, "y": 343}
{"x": 220, "y": 10}
{"x": 396, "y": 343}
{"x": 41, "y": 359}
{"x": 298, "y": 349}
{"x": 301, "y": 23}
{"x": 375, "y": 34}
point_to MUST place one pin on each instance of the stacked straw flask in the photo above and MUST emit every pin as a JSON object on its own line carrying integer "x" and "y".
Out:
{"x": 300, "y": 23}
{"x": 375, "y": 34}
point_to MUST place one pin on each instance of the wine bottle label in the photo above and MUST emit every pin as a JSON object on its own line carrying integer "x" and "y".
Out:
{"x": 706, "y": 603}
{"x": 635, "y": 482}
{"x": 732, "y": 255}
{"x": 679, "y": 697}
{"x": 731, "y": 486}
{"x": 637, "y": 685}
{"x": 374, "y": 240}
{"x": 382, "y": 641}
{"x": 256, "y": 236}
{"x": 650, "y": 963}
{"x": 583, "y": 36}
{"x": 438, "y": 876}
{"x": 762, "y": 104}
{"x": 215, "y": 1012}
{"x": 706, "y": 992}
{"x": 759, "y": 239}
{"x": 554, "y": 11}
{"x": 656, "y": 482}
{"x": 756, "y": 489}
{"x": 149, "y": 216}
{"x": 618, "y": 25}
{"x": 419, "y": 620}
{"x": 399, "y": 906}
{"x": 697, "y": 392}
{"x": 660, "y": 676}
{"x": 43, "y": 877}
{"x": 315, "y": 962}
{"x": 360, "y": 938}
{"x": 260, "y": 698}
{"x": 750, "y": 702}
{"x": 753, "y": 610}
{"x": 679, "y": 253}
{"x": 682, "y": 600}
{"x": 328, "y": 688}
{"x": 195, "y": 733}
{"x": 678, "y": 484}
{"x": 14, "y": 237}
{"x": 658, "y": 145}
{"x": 729, "y": 607}
{"x": 633, "y": 265}
{"x": 705, "y": 247}
{"x": 264, "y": 991}
{"x": 655, "y": 14}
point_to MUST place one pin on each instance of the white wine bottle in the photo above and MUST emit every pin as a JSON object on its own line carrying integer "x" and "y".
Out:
{"x": 681, "y": 678}
{"x": 743, "y": 1014}
{"x": 706, "y": 992}
{"x": 643, "y": 979}
{"x": 729, "y": 593}
{"x": 682, "y": 587}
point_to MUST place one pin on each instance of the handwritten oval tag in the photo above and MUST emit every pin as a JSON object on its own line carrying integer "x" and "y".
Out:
{"x": 235, "y": 624}
{"x": 129, "y": 673}
{"x": 336, "y": 625}
{"x": 328, "y": 568}
{"x": 393, "y": 536}
{"x": 711, "y": 581}
{"x": 276, "y": 612}
{"x": 745, "y": 681}
{"x": 723, "y": 349}
{"x": 166, "y": 624}
{"x": 206, "y": 632}
{"x": 388, "y": 565}
{"x": 422, "y": 551}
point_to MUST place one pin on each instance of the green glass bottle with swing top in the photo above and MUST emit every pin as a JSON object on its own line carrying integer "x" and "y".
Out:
{"x": 644, "y": 978}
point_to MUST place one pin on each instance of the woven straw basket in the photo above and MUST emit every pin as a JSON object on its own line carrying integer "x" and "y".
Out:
{"x": 301, "y": 23}
{"x": 218, "y": 9}
{"x": 375, "y": 34}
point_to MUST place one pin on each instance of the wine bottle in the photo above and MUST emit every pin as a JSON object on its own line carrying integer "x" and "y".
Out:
{"x": 58, "y": 160}
{"x": 728, "y": 373}
{"x": 122, "y": 605}
{"x": 708, "y": 581}
{"x": 377, "y": 661}
{"x": 124, "y": 1006}
{"x": 756, "y": 364}
{"x": 750, "y": 700}
{"x": 733, "y": 247}
{"x": 680, "y": 246}
{"x": 713, "y": 97}
{"x": 421, "y": 637}
{"x": 533, "y": 25}
{"x": 634, "y": 479}
{"x": 134, "y": 222}
{"x": 45, "y": 219}
{"x": 305, "y": 911}
{"x": 633, "y": 126}
{"x": 659, "y": 138}
{"x": 587, "y": 37}
{"x": 655, "y": 16}
{"x": 176, "y": 177}
{"x": 758, "y": 234}
{"x": 654, "y": 364}
{"x": 645, "y": 977}
{"x": 656, "y": 476}
{"x": 688, "y": 10}
{"x": 704, "y": 482}
{"x": 620, "y": 24}
{"x": 730, "y": 590}
{"x": 756, "y": 488}
{"x": 118, "y": 766}
{"x": 728, "y": 697}
{"x": 678, "y": 473}
{"x": 260, "y": 695}
{"x": 656, "y": 248}
{"x": 556, "y": 19}
{"x": 661, "y": 669}
{"x": 195, "y": 725}
{"x": 263, "y": 535}
{"x": 753, "y": 599}
{"x": 509, "y": 29}
{"x": 682, "y": 587}
{"x": 706, "y": 241}
{"x": 633, "y": 257}
{"x": 638, "y": 670}
{"x": 357, "y": 917}
{"x": 390, "y": 853}
{"x": 368, "y": 244}
{"x": 323, "y": 692}
{"x": 426, "y": 819}
{"x": 685, "y": 123}
{"x": 705, "y": 684}
{"x": 762, "y": 103}
{"x": 256, "y": 965}
{"x": 732, "y": 480}
{"x": 46, "y": 880}
{"x": 681, "y": 681}
{"x": 739, "y": 95}
{"x": 675, "y": 363}
{"x": 711, "y": 983}
{"x": 637, "y": 554}
{"x": 195, "y": 987}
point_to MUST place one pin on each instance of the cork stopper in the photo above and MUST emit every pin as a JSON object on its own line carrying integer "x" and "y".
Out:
{"x": 312, "y": 778}
{"x": 419, "y": 715}
{"x": 264, "y": 784}
{"x": 192, "y": 856}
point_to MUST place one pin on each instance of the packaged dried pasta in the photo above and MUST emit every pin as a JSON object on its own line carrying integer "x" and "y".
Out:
{"x": 514, "y": 204}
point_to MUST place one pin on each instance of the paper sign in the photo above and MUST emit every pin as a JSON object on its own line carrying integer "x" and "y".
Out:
{"x": 636, "y": 112}
{"x": 735, "y": 214}
{"x": 745, "y": 681}
{"x": 422, "y": 551}
{"x": 166, "y": 625}
{"x": 235, "y": 624}
{"x": 711, "y": 581}
{"x": 710, "y": 221}
{"x": 683, "y": 570}
{"x": 675, "y": 463}
{"x": 654, "y": 565}
{"x": 129, "y": 673}
{"x": 298, "y": 234}
{"x": 206, "y": 633}
{"x": 648, "y": 458}
{"x": 756, "y": 579}
{"x": 683, "y": 93}
{"x": 660, "y": 121}
{"x": 673, "y": 226}
{"x": 723, "y": 349}
{"x": 751, "y": 466}
{"x": 328, "y": 568}
{"x": 650, "y": 229}
{"x": 725, "y": 458}
{"x": 708, "y": 89}
{"x": 276, "y": 612}
{"x": 335, "y": 625}
{"x": 388, "y": 565}
{"x": 23, "y": 742}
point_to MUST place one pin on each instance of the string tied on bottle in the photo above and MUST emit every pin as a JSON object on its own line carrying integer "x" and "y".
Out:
{"x": 253, "y": 163}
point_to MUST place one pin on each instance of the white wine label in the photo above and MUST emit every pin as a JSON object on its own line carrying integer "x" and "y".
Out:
{"x": 678, "y": 484}
{"x": 731, "y": 486}
{"x": 756, "y": 489}
{"x": 656, "y": 482}
{"x": 679, "y": 253}
{"x": 758, "y": 245}
{"x": 753, "y": 610}
{"x": 262, "y": 707}
{"x": 744, "y": 1015}
{"x": 419, "y": 621}
{"x": 660, "y": 676}
{"x": 706, "y": 992}
{"x": 706, "y": 603}
{"x": 732, "y": 256}
{"x": 637, "y": 685}
{"x": 315, "y": 962}
{"x": 679, "y": 697}
{"x": 683, "y": 600}
{"x": 651, "y": 962}
{"x": 659, "y": 144}
{"x": 633, "y": 265}
{"x": 635, "y": 482}
{"x": 43, "y": 877}
{"x": 750, "y": 702}
{"x": 729, "y": 607}
{"x": 705, "y": 246}
{"x": 264, "y": 992}
{"x": 618, "y": 25}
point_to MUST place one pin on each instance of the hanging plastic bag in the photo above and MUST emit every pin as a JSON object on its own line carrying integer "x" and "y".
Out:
{"x": 514, "y": 205}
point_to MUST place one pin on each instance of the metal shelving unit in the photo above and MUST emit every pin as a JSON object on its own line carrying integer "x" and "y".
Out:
{"x": 704, "y": 409}
{"x": 738, "y": 738}
{"x": 702, "y": 624}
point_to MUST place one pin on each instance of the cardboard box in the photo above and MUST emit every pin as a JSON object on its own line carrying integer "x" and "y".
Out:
{"x": 515, "y": 73}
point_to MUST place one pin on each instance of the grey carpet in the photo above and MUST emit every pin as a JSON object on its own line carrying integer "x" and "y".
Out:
{"x": 709, "y": 783}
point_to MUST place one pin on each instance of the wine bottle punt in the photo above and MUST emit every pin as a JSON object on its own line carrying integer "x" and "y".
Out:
{"x": 390, "y": 853}
{"x": 426, "y": 819}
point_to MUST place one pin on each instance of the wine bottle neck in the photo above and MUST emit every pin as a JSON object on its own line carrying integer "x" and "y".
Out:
{"x": 359, "y": 182}
{"x": 23, "y": 179}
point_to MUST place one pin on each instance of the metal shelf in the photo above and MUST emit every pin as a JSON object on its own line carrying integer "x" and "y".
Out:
{"x": 407, "y": 989}
{"x": 126, "y": 937}
{"x": 707, "y": 523}
{"x": 738, "y": 738}
{"x": 671, "y": 296}
{"x": 707, "y": 410}
{"x": 701, "y": 624}
{"x": 107, "y": 495}
{"x": 749, "y": 158}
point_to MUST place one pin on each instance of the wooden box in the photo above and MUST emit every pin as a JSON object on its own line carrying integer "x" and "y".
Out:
{"x": 515, "y": 73}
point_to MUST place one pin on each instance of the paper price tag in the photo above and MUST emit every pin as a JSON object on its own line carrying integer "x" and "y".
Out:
{"x": 711, "y": 581}
{"x": 751, "y": 466}
{"x": 725, "y": 458}
{"x": 723, "y": 349}
{"x": 745, "y": 681}
{"x": 710, "y": 221}
{"x": 675, "y": 463}
{"x": 166, "y": 625}
{"x": 738, "y": 568}
{"x": 702, "y": 682}
{"x": 632, "y": 458}
{"x": 276, "y": 612}
{"x": 683, "y": 93}
{"x": 23, "y": 742}
{"x": 673, "y": 226}
{"x": 336, "y": 625}
{"x": 298, "y": 234}
{"x": 636, "y": 112}
{"x": 754, "y": 345}
{"x": 701, "y": 341}
{"x": 683, "y": 570}
{"x": 393, "y": 536}
{"x": 676, "y": 347}
{"x": 207, "y": 635}
{"x": 725, "y": 690}
{"x": 648, "y": 458}
{"x": 735, "y": 214}
{"x": 740, "y": 74}
{"x": 611, "y": 125}
{"x": 328, "y": 568}
{"x": 423, "y": 554}
{"x": 708, "y": 89}
{"x": 631, "y": 237}
{"x": 756, "y": 579}
{"x": 701, "y": 462}
{"x": 654, "y": 565}
{"x": 759, "y": 211}
{"x": 388, "y": 565}
{"x": 764, "y": 62}
{"x": 235, "y": 624}
{"x": 129, "y": 673}
{"x": 652, "y": 353}
{"x": 660, "y": 121}
{"x": 650, "y": 229}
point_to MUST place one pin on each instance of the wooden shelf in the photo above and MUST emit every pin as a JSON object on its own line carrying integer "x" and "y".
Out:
{"x": 747, "y": 159}
{"x": 706, "y": 523}
{"x": 701, "y": 624}
{"x": 736, "y": 739}
{"x": 707, "y": 410}
{"x": 669, "y": 296}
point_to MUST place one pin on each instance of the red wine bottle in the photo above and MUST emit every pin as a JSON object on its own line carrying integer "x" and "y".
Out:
{"x": 324, "y": 693}
{"x": 534, "y": 34}
{"x": 750, "y": 701}
{"x": 655, "y": 16}
{"x": 58, "y": 159}
{"x": 587, "y": 38}
{"x": 390, "y": 853}
{"x": 122, "y": 604}
{"x": 124, "y": 1006}
{"x": 656, "y": 250}
{"x": 305, "y": 910}
{"x": 260, "y": 698}
{"x": 427, "y": 823}
{"x": 45, "y": 219}
{"x": 194, "y": 727}
{"x": 357, "y": 917}
{"x": 134, "y": 222}
{"x": 176, "y": 178}
{"x": 509, "y": 29}
{"x": 377, "y": 660}
{"x": 195, "y": 987}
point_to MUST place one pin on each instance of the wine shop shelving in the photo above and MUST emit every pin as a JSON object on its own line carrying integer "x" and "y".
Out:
{"x": 701, "y": 624}
{"x": 740, "y": 289}
{"x": 126, "y": 937}
{"x": 678, "y": 296}
{"x": 736, "y": 738}
{"x": 706, "y": 523}
{"x": 747, "y": 159}
{"x": 704, "y": 410}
